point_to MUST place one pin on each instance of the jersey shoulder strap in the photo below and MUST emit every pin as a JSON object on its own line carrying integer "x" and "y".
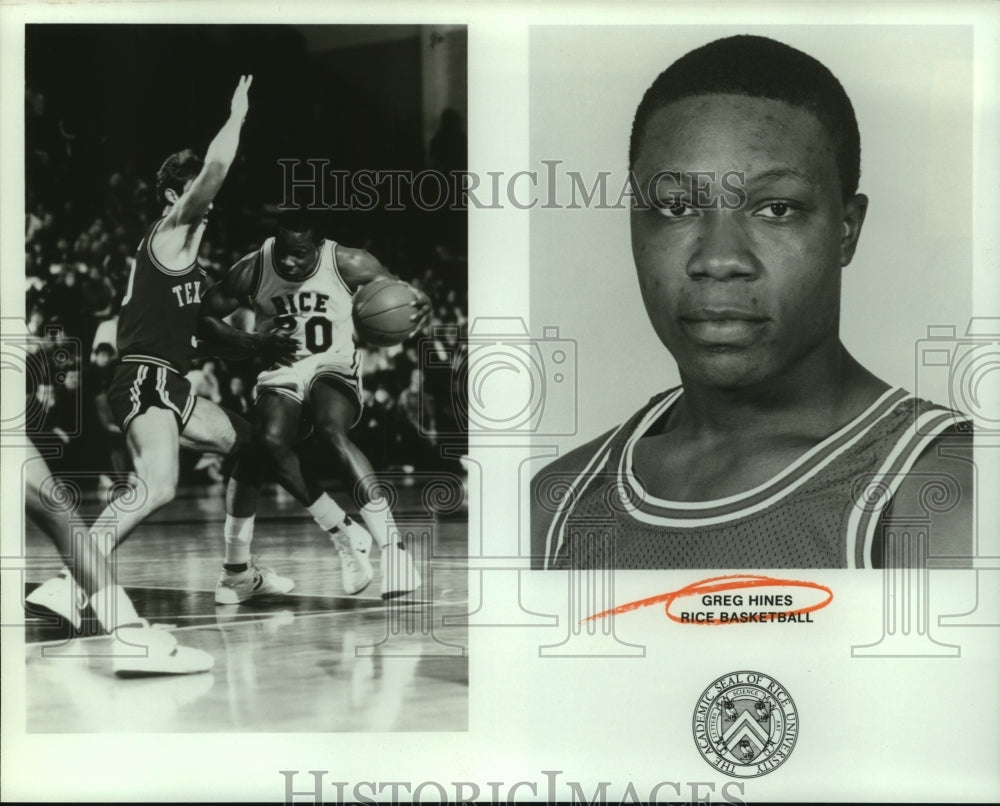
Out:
{"x": 330, "y": 247}
{"x": 924, "y": 423}
{"x": 146, "y": 248}
{"x": 256, "y": 274}
{"x": 573, "y": 485}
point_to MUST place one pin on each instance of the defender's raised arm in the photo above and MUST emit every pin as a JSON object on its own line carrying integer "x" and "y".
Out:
{"x": 191, "y": 205}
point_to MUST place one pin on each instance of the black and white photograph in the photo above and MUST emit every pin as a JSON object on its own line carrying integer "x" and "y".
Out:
{"x": 775, "y": 238}
{"x": 499, "y": 402}
{"x": 254, "y": 489}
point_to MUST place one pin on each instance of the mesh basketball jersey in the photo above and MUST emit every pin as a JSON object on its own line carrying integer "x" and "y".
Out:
{"x": 159, "y": 312}
{"x": 315, "y": 311}
{"x": 820, "y": 512}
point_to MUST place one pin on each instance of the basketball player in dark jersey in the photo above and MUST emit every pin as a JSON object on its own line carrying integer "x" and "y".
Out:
{"x": 779, "y": 449}
{"x": 149, "y": 396}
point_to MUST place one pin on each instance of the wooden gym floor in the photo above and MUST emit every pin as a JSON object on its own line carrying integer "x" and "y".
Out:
{"x": 314, "y": 660}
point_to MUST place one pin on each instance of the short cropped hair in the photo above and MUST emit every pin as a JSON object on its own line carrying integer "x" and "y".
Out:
{"x": 759, "y": 67}
{"x": 302, "y": 221}
{"x": 176, "y": 170}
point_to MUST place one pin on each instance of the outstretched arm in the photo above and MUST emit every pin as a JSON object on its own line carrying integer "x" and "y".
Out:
{"x": 192, "y": 205}
{"x": 230, "y": 293}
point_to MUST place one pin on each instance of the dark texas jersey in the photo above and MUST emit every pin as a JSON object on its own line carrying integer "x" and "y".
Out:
{"x": 159, "y": 312}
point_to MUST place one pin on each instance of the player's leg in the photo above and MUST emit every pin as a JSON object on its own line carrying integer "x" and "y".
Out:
{"x": 242, "y": 493}
{"x": 139, "y": 397}
{"x": 276, "y": 430}
{"x": 276, "y": 425}
{"x": 152, "y": 405}
{"x": 242, "y": 577}
{"x": 152, "y": 441}
{"x": 212, "y": 428}
{"x": 277, "y": 421}
{"x": 81, "y": 555}
{"x": 336, "y": 406}
{"x": 109, "y": 601}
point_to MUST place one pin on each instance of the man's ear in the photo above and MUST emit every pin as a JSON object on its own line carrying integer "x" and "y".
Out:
{"x": 854, "y": 218}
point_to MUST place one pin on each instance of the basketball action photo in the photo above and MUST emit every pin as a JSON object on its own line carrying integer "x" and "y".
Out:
{"x": 226, "y": 310}
{"x": 489, "y": 402}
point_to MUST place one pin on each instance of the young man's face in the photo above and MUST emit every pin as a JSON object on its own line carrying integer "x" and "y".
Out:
{"x": 742, "y": 291}
{"x": 296, "y": 254}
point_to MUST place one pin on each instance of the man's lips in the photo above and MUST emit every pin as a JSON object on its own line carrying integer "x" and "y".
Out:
{"x": 721, "y": 315}
{"x": 732, "y": 327}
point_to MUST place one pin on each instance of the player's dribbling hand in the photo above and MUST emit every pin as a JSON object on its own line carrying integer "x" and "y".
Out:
{"x": 241, "y": 103}
{"x": 422, "y": 310}
{"x": 275, "y": 346}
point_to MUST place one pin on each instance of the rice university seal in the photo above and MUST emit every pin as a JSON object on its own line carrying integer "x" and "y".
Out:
{"x": 745, "y": 724}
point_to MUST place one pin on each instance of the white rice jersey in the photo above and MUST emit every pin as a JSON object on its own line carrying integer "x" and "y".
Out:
{"x": 315, "y": 311}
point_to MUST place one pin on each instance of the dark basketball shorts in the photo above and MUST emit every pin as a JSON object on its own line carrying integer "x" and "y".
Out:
{"x": 139, "y": 386}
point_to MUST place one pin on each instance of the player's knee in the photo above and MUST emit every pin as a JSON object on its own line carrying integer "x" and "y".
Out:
{"x": 272, "y": 443}
{"x": 158, "y": 483}
{"x": 228, "y": 443}
{"x": 160, "y": 490}
{"x": 240, "y": 436}
{"x": 334, "y": 435}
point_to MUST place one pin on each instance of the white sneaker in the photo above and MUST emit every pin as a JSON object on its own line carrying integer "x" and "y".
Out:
{"x": 399, "y": 574}
{"x": 353, "y": 543}
{"x": 255, "y": 582}
{"x": 162, "y": 656}
{"x": 62, "y": 596}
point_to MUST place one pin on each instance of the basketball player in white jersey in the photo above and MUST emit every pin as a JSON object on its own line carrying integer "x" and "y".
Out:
{"x": 763, "y": 457}
{"x": 300, "y": 287}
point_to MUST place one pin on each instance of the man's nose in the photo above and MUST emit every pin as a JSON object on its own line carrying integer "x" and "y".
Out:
{"x": 723, "y": 250}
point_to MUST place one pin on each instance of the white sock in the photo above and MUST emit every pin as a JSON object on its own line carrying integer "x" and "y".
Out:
{"x": 238, "y": 533}
{"x": 103, "y": 534}
{"x": 326, "y": 513}
{"x": 378, "y": 519}
{"x": 113, "y": 608}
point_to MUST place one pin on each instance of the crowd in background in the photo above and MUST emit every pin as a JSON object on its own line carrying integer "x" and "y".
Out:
{"x": 85, "y": 218}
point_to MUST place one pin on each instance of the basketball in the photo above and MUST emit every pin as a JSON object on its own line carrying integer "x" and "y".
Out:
{"x": 382, "y": 311}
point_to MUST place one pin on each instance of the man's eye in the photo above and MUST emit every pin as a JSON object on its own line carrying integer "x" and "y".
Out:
{"x": 677, "y": 209}
{"x": 775, "y": 210}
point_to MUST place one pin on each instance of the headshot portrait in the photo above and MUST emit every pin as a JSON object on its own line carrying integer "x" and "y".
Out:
{"x": 746, "y": 238}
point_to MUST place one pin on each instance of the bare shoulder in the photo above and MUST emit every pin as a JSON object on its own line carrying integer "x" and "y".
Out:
{"x": 940, "y": 489}
{"x": 548, "y": 486}
{"x": 241, "y": 277}
{"x": 237, "y": 283}
{"x": 358, "y": 266}
{"x": 176, "y": 247}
